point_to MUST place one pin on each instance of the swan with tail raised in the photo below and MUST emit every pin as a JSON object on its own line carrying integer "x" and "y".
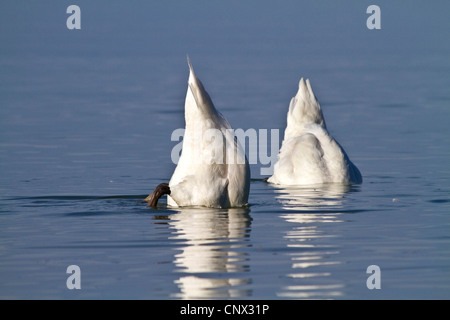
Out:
{"x": 212, "y": 170}
{"x": 309, "y": 154}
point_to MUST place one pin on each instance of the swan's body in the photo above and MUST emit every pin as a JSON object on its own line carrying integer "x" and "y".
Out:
{"x": 309, "y": 154}
{"x": 212, "y": 170}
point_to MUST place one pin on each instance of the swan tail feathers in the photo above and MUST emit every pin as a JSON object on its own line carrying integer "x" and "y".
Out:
{"x": 304, "y": 110}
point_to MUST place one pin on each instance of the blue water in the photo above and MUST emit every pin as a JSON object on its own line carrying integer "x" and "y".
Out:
{"x": 85, "y": 123}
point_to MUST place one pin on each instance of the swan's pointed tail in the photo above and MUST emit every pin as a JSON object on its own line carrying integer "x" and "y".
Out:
{"x": 304, "y": 108}
{"x": 202, "y": 101}
{"x": 201, "y": 97}
{"x": 191, "y": 69}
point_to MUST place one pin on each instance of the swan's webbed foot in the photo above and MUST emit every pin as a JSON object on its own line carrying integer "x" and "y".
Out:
{"x": 159, "y": 191}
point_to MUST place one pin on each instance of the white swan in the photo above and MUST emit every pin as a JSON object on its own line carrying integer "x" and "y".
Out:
{"x": 213, "y": 170}
{"x": 309, "y": 154}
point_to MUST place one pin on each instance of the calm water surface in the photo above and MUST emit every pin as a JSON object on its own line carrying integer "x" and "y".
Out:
{"x": 85, "y": 124}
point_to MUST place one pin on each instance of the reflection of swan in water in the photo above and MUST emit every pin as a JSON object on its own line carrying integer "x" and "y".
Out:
{"x": 311, "y": 197}
{"x": 313, "y": 251}
{"x": 210, "y": 253}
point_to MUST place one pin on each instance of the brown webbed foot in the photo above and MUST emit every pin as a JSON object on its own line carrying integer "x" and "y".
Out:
{"x": 159, "y": 191}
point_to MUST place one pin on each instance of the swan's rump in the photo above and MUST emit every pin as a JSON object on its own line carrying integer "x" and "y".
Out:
{"x": 313, "y": 157}
{"x": 211, "y": 180}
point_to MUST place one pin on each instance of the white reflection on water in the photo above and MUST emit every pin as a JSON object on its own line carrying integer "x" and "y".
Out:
{"x": 312, "y": 248}
{"x": 315, "y": 197}
{"x": 210, "y": 253}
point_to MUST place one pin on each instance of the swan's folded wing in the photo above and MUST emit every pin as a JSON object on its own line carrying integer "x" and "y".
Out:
{"x": 238, "y": 173}
{"x": 301, "y": 161}
{"x": 201, "y": 190}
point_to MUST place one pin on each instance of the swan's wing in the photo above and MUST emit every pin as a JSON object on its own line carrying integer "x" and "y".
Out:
{"x": 305, "y": 158}
{"x": 238, "y": 173}
{"x": 201, "y": 189}
{"x": 340, "y": 168}
{"x": 355, "y": 174}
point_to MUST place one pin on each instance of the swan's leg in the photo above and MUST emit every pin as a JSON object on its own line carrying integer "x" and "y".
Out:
{"x": 159, "y": 191}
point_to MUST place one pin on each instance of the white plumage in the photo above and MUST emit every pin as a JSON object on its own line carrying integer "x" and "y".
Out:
{"x": 213, "y": 170}
{"x": 309, "y": 154}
